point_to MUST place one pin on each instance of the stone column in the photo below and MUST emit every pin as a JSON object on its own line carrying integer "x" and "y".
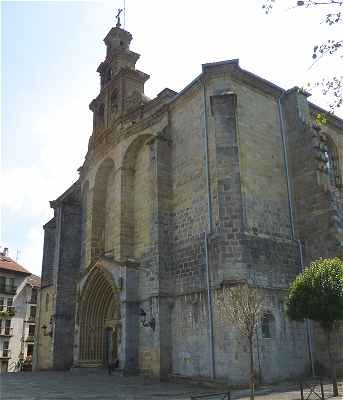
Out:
{"x": 160, "y": 237}
{"x": 130, "y": 321}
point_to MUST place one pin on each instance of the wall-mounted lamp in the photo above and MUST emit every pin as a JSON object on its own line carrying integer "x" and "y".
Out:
{"x": 151, "y": 324}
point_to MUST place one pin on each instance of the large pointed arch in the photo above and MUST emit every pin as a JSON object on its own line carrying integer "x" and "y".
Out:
{"x": 99, "y": 313}
{"x": 137, "y": 186}
{"x": 100, "y": 195}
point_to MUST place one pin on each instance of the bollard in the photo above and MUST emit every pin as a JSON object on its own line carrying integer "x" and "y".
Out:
{"x": 322, "y": 390}
{"x": 301, "y": 391}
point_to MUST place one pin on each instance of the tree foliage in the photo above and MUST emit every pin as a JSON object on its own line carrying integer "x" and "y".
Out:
{"x": 329, "y": 86}
{"x": 317, "y": 293}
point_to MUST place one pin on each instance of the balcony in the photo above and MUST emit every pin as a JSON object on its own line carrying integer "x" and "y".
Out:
{"x": 8, "y": 289}
{"x": 8, "y": 312}
{"x": 6, "y": 353}
{"x": 31, "y": 319}
{"x": 30, "y": 338}
{"x": 11, "y": 311}
{"x": 6, "y": 331}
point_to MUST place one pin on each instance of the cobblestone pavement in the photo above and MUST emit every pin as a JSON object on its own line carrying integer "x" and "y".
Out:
{"x": 91, "y": 385}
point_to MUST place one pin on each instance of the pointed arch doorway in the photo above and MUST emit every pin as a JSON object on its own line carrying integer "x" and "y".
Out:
{"x": 100, "y": 320}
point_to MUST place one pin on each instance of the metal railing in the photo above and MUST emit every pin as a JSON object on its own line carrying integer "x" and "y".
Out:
{"x": 311, "y": 390}
{"x": 30, "y": 338}
{"x": 11, "y": 310}
{"x": 213, "y": 396}
{"x": 9, "y": 289}
{"x": 7, "y": 312}
{"x": 15, "y": 366}
{"x": 5, "y": 353}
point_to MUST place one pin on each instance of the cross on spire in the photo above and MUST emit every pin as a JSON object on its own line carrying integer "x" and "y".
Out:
{"x": 120, "y": 10}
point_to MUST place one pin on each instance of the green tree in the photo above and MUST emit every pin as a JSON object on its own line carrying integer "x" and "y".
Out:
{"x": 317, "y": 294}
{"x": 330, "y": 86}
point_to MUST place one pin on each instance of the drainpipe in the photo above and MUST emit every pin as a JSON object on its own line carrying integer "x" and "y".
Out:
{"x": 207, "y": 233}
{"x": 291, "y": 217}
{"x": 285, "y": 159}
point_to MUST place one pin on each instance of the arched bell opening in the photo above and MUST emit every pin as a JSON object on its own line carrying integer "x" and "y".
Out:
{"x": 99, "y": 320}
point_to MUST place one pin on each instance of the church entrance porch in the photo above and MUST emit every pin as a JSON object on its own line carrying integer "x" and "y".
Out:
{"x": 99, "y": 320}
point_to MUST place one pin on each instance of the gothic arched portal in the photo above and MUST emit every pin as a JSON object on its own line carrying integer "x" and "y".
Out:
{"x": 99, "y": 320}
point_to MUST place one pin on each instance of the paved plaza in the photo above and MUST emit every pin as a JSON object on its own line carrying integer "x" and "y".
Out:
{"x": 97, "y": 385}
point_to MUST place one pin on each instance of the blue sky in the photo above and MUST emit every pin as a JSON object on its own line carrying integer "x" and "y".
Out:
{"x": 50, "y": 52}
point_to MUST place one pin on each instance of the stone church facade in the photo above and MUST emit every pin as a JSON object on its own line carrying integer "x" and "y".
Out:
{"x": 179, "y": 196}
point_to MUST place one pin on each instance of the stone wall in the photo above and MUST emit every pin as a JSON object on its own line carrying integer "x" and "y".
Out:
{"x": 46, "y": 309}
{"x": 318, "y": 204}
{"x": 68, "y": 269}
{"x": 151, "y": 206}
{"x": 48, "y": 253}
{"x": 44, "y": 350}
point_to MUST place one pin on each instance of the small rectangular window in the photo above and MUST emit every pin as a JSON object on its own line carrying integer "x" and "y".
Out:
{"x": 8, "y": 327}
{"x": 33, "y": 312}
{"x": 29, "y": 350}
{"x": 31, "y": 330}
{"x": 34, "y": 295}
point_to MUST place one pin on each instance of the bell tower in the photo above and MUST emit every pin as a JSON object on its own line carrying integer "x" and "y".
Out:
{"x": 121, "y": 84}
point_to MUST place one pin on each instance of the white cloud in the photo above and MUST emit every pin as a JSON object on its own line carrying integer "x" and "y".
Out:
{"x": 61, "y": 144}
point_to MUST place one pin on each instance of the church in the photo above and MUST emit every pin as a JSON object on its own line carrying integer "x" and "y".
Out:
{"x": 230, "y": 180}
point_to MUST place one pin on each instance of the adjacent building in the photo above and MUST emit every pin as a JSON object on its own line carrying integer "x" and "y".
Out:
{"x": 179, "y": 196}
{"x": 19, "y": 291}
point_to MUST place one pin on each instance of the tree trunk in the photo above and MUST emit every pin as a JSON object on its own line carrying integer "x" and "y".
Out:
{"x": 332, "y": 362}
{"x": 252, "y": 375}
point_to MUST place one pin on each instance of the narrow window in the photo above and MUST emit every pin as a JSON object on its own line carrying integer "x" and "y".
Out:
{"x": 101, "y": 115}
{"x": 32, "y": 313}
{"x": 267, "y": 325}
{"x": 29, "y": 350}
{"x": 5, "y": 351}
{"x": 47, "y": 301}
{"x": 8, "y": 327}
{"x": 34, "y": 293}
{"x": 109, "y": 74}
{"x": 114, "y": 101}
{"x": 31, "y": 330}
{"x": 332, "y": 163}
{"x": 10, "y": 307}
{"x": 2, "y": 303}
